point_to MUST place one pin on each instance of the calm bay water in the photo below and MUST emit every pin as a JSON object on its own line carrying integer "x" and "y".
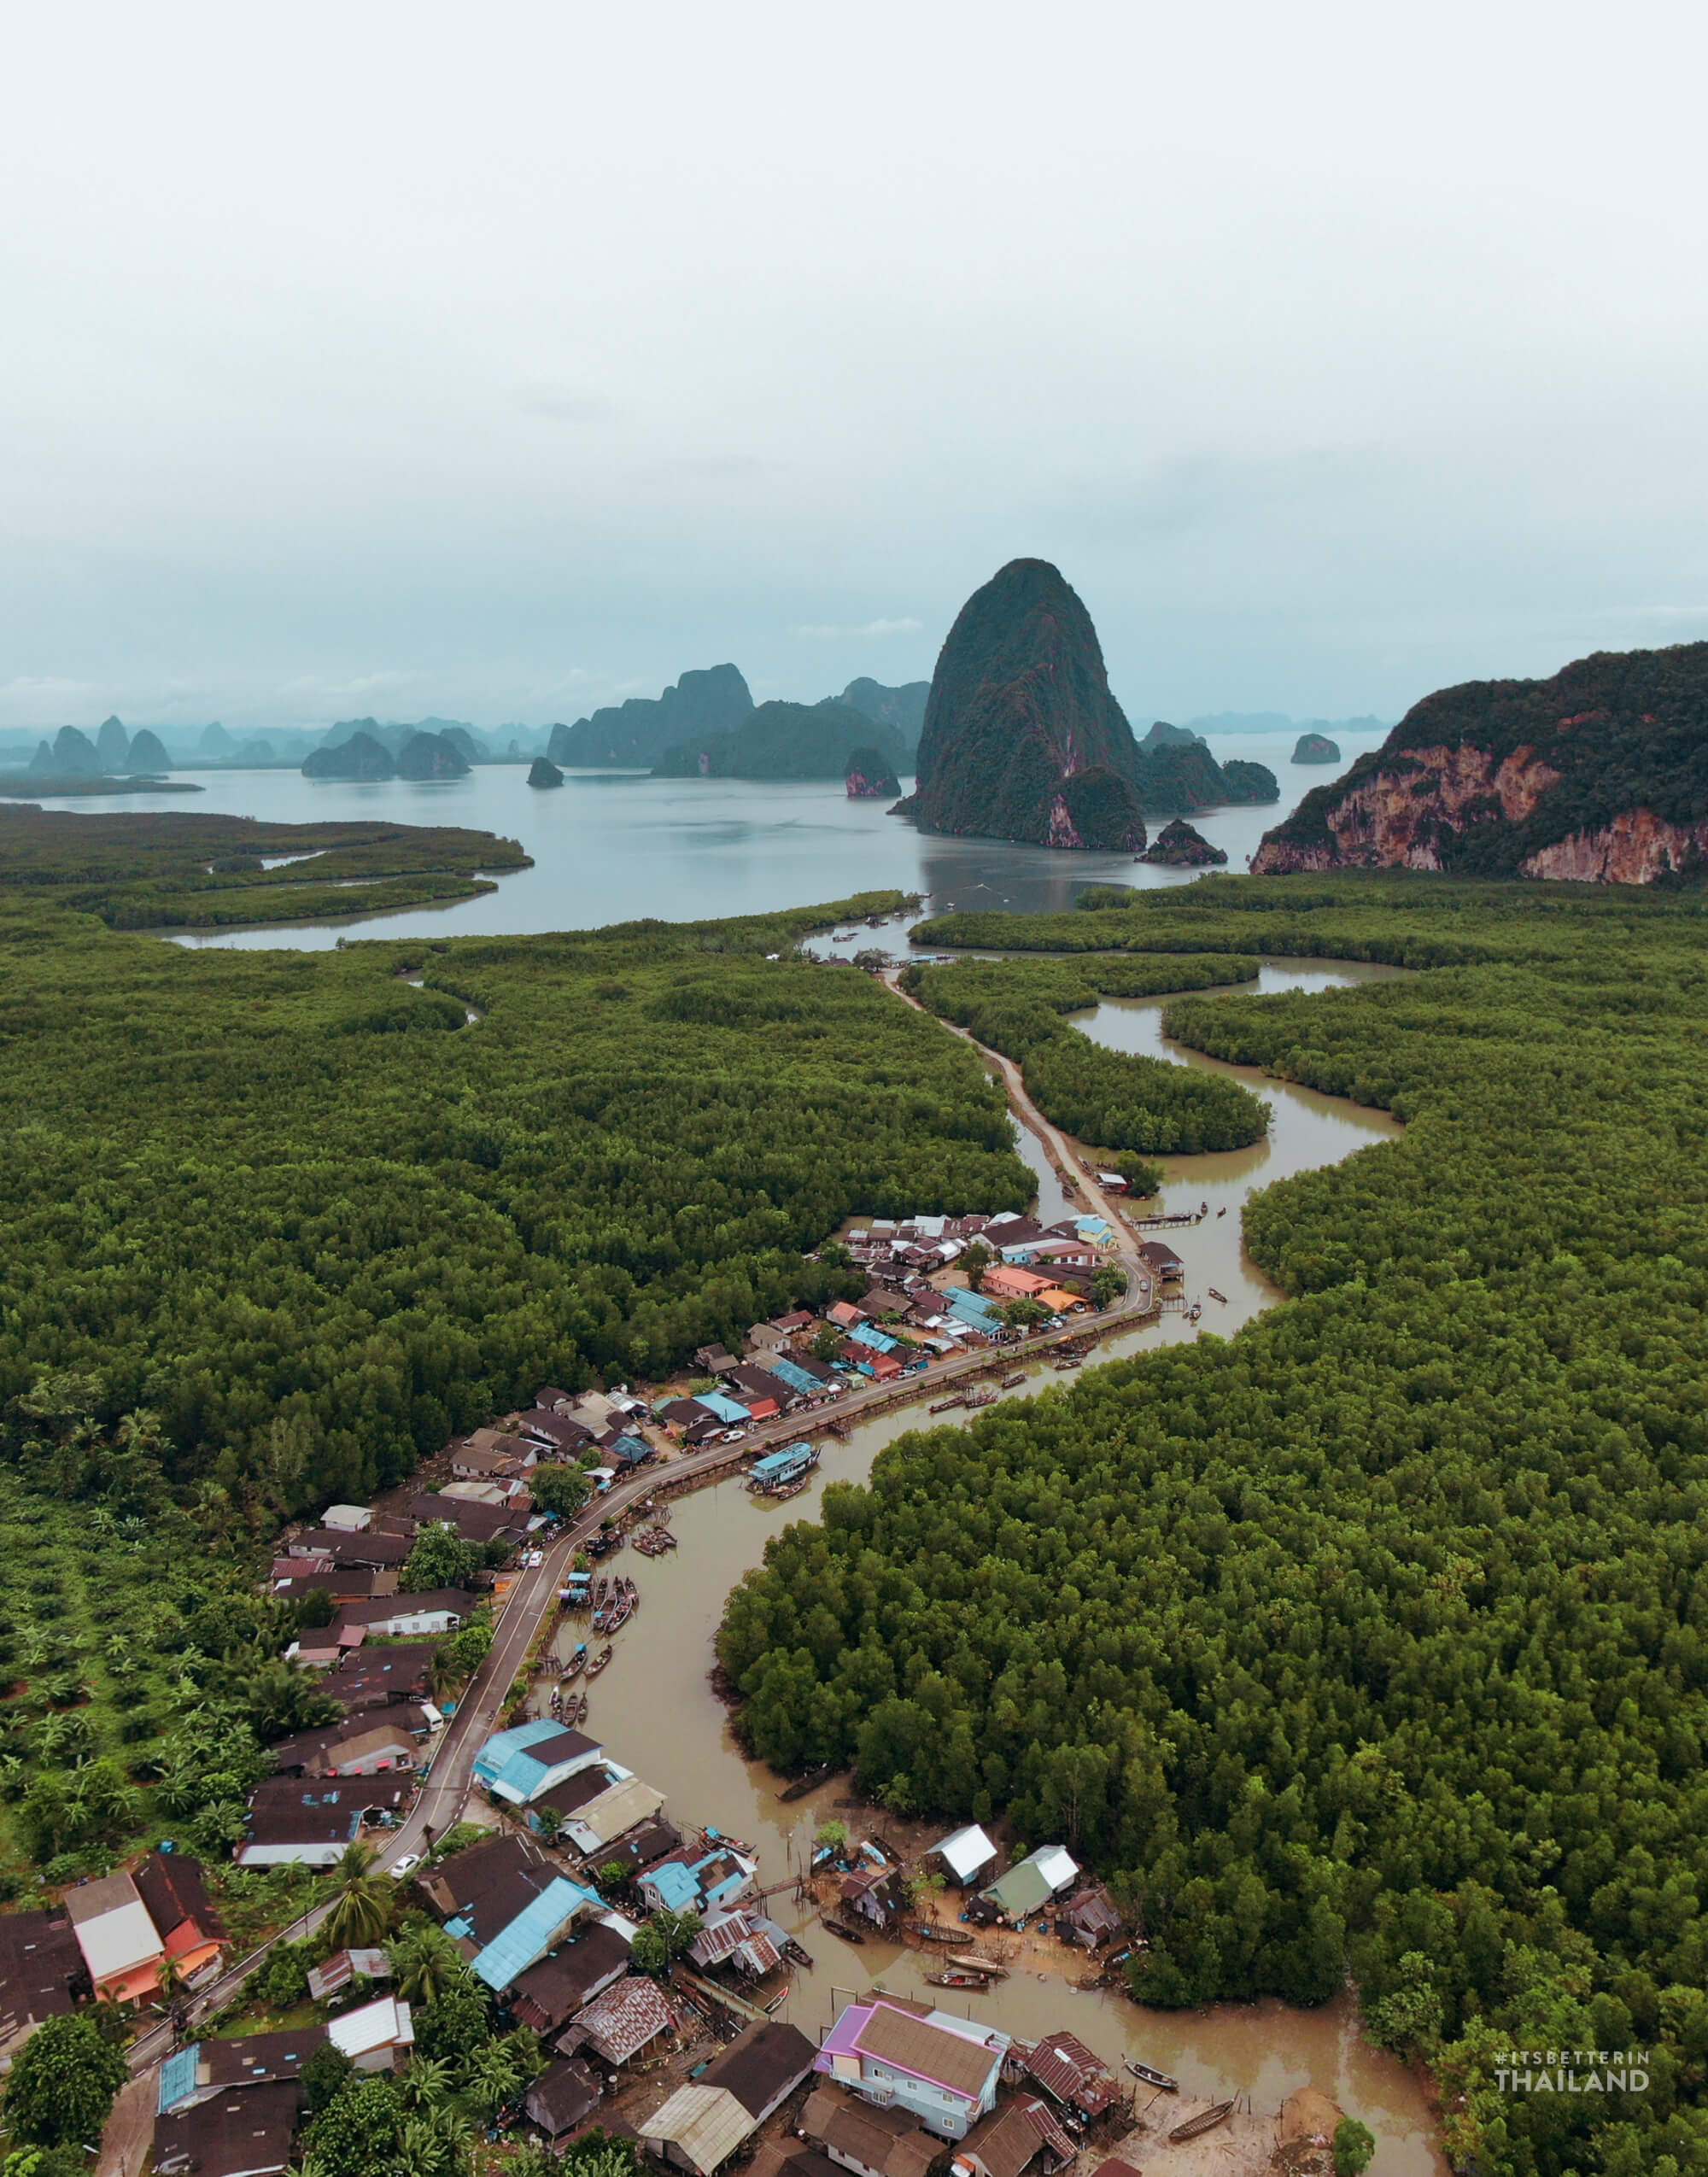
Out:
{"x": 610, "y": 846}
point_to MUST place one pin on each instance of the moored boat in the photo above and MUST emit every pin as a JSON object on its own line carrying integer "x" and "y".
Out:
{"x": 943, "y": 1405}
{"x": 982, "y": 1394}
{"x": 576, "y": 1664}
{"x": 1010, "y": 1383}
{"x": 1151, "y": 2076}
{"x": 841, "y": 1927}
{"x": 1214, "y": 1295}
{"x": 1196, "y": 2126}
{"x": 599, "y": 1662}
{"x": 956, "y": 1980}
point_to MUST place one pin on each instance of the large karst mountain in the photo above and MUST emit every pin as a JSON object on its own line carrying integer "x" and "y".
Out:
{"x": 1022, "y": 739}
{"x": 1600, "y": 774}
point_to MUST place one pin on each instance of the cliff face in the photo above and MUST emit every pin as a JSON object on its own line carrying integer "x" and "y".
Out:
{"x": 871, "y": 777}
{"x": 786, "y": 741}
{"x": 636, "y": 733}
{"x": 1600, "y": 774}
{"x": 1020, "y": 710}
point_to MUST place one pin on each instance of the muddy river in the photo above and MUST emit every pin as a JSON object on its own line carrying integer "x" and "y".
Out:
{"x": 655, "y": 1711}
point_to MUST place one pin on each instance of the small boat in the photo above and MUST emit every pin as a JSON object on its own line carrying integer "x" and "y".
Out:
{"x": 841, "y": 1927}
{"x": 929, "y": 1932}
{"x": 599, "y": 1662}
{"x": 1194, "y": 1311}
{"x": 803, "y": 1784}
{"x": 943, "y": 1405}
{"x": 987, "y": 1969}
{"x": 956, "y": 1980}
{"x": 1196, "y": 2126}
{"x": 982, "y": 1394}
{"x": 574, "y": 1667}
{"x": 797, "y": 1951}
{"x": 576, "y": 1712}
{"x": 1151, "y": 2076}
{"x": 1012, "y": 1383}
{"x": 1069, "y": 1361}
{"x": 601, "y": 1591}
{"x": 1222, "y": 1212}
{"x": 1214, "y": 1295}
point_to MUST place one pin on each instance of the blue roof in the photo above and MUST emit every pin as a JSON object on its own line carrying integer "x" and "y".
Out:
{"x": 972, "y": 1308}
{"x": 528, "y": 1938}
{"x": 726, "y": 1409}
{"x": 1094, "y": 1228}
{"x": 797, "y": 1379}
{"x": 675, "y": 1886}
{"x": 506, "y": 1763}
{"x": 879, "y": 1341}
{"x": 632, "y": 1450}
{"x": 178, "y": 2077}
{"x": 783, "y": 1462}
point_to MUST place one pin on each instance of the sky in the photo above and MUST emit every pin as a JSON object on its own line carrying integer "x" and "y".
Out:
{"x": 498, "y": 363}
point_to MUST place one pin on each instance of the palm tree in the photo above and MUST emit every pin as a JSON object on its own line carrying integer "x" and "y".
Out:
{"x": 427, "y": 2081}
{"x": 426, "y": 1962}
{"x": 437, "y": 2142}
{"x": 494, "y": 2075}
{"x": 361, "y": 1911}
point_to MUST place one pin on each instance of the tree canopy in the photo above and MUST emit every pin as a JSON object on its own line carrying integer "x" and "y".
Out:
{"x": 1377, "y": 1636}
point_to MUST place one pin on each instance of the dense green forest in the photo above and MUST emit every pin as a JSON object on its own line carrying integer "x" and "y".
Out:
{"x": 192, "y": 872}
{"x": 276, "y": 1224}
{"x": 1376, "y": 1637}
{"x": 319, "y": 1221}
{"x": 1109, "y": 1098}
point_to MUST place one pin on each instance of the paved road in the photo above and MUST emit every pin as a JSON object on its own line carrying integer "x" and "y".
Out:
{"x": 532, "y": 1595}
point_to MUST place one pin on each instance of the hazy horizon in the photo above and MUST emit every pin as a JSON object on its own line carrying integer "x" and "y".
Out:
{"x": 409, "y": 365}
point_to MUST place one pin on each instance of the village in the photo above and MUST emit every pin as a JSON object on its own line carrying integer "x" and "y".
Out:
{"x": 633, "y": 1943}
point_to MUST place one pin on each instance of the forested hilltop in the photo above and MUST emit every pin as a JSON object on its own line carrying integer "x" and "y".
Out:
{"x": 1377, "y": 1636}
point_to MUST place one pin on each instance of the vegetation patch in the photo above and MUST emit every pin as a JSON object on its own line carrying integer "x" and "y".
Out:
{"x": 1378, "y": 1635}
{"x": 1110, "y": 1097}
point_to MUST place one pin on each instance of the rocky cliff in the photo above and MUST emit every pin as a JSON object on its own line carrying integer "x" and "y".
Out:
{"x": 1316, "y": 748}
{"x": 1022, "y": 739}
{"x": 431, "y": 756}
{"x": 636, "y": 733}
{"x": 1181, "y": 845}
{"x": 870, "y": 776}
{"x": 1600, "y": 774}
{"x": 785, "y": 741}
{"x": 902, "y": 707}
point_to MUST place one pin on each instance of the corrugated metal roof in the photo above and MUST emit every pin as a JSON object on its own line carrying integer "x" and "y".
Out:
{"x": 615, "y": 1812}
{"x": 704, "y": 2123}
{"x": 528, "y": 1937}
{"x": 178, "y": 2078}
{"x": 966, "y": 1851}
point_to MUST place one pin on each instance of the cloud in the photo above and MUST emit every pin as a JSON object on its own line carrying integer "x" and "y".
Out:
{"x": 562, "y": 405}
{"x": 873, "y": 630}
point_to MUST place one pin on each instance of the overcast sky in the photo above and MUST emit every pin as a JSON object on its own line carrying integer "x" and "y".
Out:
{"x": 502, "y": 361}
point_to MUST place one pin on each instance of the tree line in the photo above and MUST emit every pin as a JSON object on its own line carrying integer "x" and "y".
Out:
{"x": 1376, "y": 1637}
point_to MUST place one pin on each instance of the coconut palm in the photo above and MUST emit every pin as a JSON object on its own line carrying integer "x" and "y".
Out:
{"x": 425, "y": 1961}
{"x": 362, "y": 1911}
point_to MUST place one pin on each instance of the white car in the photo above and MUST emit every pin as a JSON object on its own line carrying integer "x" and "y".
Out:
{"x": 410, "y": 1861}
{"x": 733, "y": 1436}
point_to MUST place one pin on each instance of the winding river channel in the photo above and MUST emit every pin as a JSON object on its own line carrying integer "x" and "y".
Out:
{"x": 654, "y": 1708}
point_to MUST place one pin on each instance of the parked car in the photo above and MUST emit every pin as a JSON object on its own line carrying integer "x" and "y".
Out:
{"x": 733, "y": 1436}
{"x": 406, "y": 1866}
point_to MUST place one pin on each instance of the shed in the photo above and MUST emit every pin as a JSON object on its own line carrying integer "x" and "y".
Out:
{"x": 966, "y": 1854}
{"x": 562, "y": 2099}
{"x": 348, "y": 1519}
